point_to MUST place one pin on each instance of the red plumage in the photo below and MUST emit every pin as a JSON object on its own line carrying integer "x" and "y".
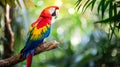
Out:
{"x": 29, "y": 60}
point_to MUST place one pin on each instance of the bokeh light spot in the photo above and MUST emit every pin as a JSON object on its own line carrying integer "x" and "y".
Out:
{"x": 71, "y": 10}
{"x": 58, "y": 3}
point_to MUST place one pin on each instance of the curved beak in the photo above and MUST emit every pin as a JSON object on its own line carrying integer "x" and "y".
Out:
{"x": 55, "y": 13}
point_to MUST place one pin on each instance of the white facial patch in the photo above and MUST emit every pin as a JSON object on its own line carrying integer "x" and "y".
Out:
{"x": 57, "y": 11}
{"x": 52, "y": 10}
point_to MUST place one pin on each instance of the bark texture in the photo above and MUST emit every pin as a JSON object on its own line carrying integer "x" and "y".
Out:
{"x": 9, "y": 35}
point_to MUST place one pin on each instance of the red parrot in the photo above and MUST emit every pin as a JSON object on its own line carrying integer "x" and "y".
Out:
{"x": 38, "y": 31}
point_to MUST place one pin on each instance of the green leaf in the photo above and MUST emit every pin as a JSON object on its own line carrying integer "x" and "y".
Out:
{"x": 118, "y": 3}
{"x": 111, "y": 19}
{"x": 84, "y": 7}
{"x": 87, "y": 5}
{"x": 78, "y": 7}
{"x": 11, "y": 3}
{"x": 103, "y": 8}
{"x": 99, "y": 6}
{"x": 110, "y": 9}
{"x": 115, "y": 10}
{"x": 3, "y": 2}
{"x": 24, "y": 1}
{"x": 19, "y": 4}
{"x": 93, "y": 3}
{"x": 87, "y": 2}
{"x": 8, "y": 2}
{"x": 78, "y": 4}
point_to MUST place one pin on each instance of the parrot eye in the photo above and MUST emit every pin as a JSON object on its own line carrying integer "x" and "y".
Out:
{"x": 52, "y": 10}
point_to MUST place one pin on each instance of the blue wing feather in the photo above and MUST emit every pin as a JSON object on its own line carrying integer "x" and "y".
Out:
{"x": 31, "y": 43}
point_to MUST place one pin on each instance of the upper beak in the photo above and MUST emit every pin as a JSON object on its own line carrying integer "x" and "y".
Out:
{"x": 55, "y": 13}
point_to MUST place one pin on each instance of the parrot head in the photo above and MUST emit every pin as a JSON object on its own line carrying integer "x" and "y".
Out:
{"x": 50, "y": 11}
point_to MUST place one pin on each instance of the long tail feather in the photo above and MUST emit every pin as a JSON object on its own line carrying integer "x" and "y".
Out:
{"x": 29, "y": 60}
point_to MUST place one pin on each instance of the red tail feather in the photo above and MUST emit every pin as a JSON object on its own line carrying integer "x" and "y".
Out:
{"x": 29, "y": 60}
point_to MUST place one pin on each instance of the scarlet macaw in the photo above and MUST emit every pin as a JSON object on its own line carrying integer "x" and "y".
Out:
{"x": 38, "y": 31}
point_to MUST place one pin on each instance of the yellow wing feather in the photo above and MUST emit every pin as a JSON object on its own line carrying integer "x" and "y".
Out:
{"x": 38, "y": 33}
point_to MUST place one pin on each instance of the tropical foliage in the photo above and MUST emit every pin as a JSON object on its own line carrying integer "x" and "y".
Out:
{"x": 109, "y": 18}
{"x": 108, "y": 11}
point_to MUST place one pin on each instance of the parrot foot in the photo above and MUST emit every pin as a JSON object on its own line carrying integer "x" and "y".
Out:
{"x": 44, "y": 42}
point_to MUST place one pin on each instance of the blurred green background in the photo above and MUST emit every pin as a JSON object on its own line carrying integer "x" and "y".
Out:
{"x": 87, "y": 31}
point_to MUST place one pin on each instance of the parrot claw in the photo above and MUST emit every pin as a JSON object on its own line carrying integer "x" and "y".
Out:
{"x": 44, "y": 45}
{"x": 44, "y": 42}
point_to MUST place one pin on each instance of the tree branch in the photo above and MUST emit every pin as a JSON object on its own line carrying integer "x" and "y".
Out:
{"x": 16, "y": 58}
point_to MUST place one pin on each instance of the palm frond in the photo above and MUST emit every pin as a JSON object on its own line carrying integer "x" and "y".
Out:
{"x": 110, "y": 7}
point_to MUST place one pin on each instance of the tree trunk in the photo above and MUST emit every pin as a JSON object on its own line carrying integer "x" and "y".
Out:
{"x": 9, "y": 35}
